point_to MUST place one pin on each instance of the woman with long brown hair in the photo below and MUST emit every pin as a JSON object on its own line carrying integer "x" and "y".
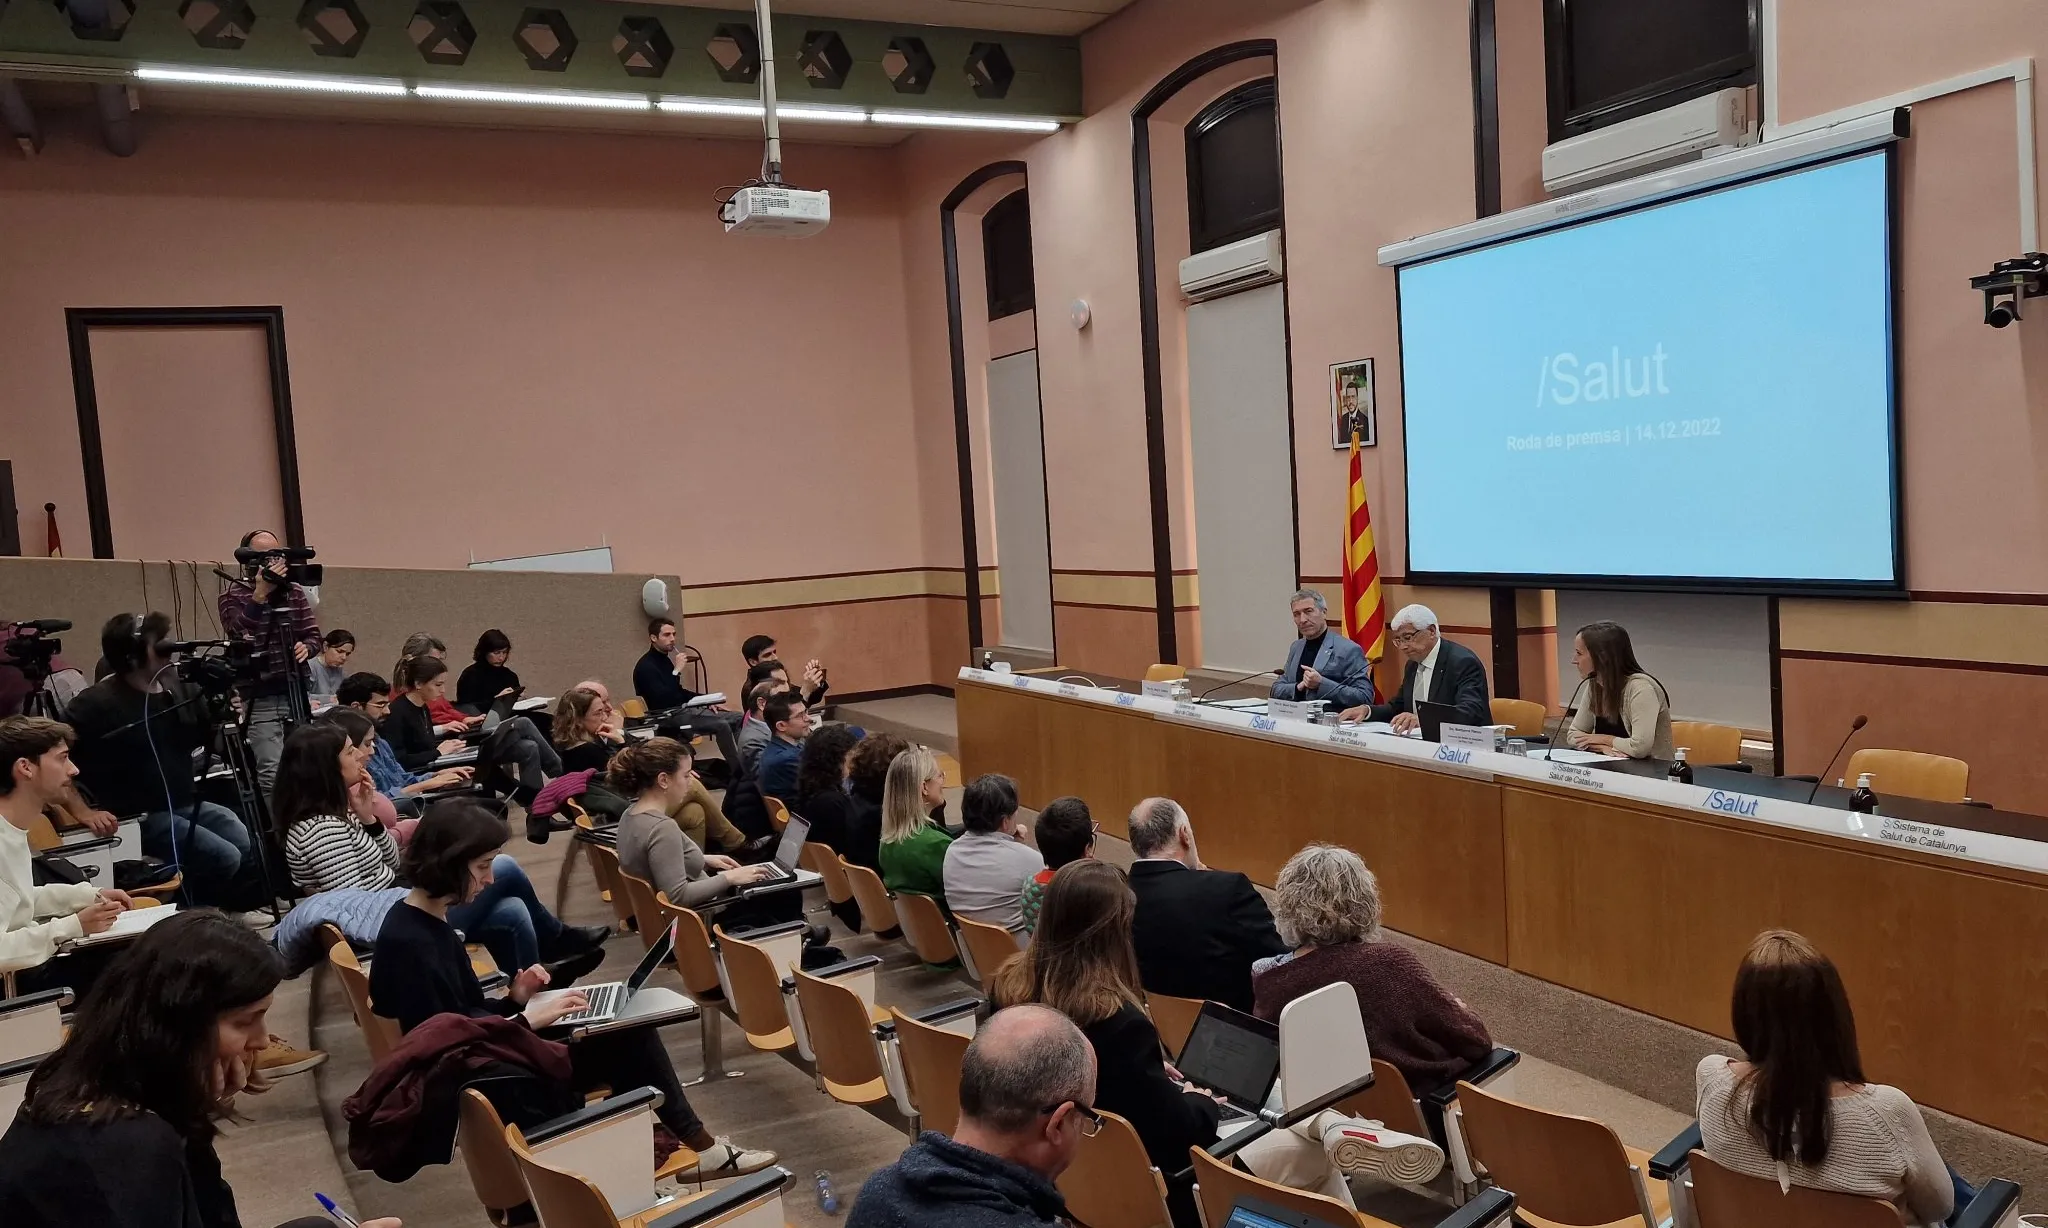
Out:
{"x": 1797, "y": 1110}
{"x": 1081, "y": 963}
{"x": 1626, "y": 711}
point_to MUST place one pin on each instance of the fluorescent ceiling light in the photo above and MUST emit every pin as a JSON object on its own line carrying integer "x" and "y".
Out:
{"x": 710, "y": 106}
{"x": 825, "y": 115}
{"x": 995, "y": 123}
{"x": 306, "y": 83}
{"x": 538, "y": 98}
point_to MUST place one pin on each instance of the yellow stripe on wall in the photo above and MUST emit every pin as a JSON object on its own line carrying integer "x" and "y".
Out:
{"x": 831, "y": 590}
{"x": 1954, "y": 631}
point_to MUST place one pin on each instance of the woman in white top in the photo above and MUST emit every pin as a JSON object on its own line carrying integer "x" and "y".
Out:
{"x": 1626, "y": 710}
{"x": 1798, "y": 1111}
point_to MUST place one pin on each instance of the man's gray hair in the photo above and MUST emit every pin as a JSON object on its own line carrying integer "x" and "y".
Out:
{"x": 1420, "y": 617}
{"x": 1024, "y": 1060}
{"x": 1154, "y": 823}
{"x": 1309, "y": 594}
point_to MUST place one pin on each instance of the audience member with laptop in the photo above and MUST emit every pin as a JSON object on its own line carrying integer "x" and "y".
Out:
{"x": 655, "y": 776}
{"x": 1080, "y": 963}
{"x": 421, "y": 970}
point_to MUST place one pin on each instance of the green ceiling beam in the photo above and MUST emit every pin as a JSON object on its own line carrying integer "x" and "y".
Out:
{"x": 38, "y": 39}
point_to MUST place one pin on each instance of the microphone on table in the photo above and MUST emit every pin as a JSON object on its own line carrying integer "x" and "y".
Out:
{"x": 1569, "y": 708}
{"x": 1230, "y": 682}
{"x": 1854, "y": 725}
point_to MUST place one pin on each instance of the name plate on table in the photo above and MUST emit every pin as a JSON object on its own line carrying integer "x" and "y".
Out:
{"x": 1163, "y": 690}
{"x": 1469, "y": 737}
{"x": 1294, "y": 709}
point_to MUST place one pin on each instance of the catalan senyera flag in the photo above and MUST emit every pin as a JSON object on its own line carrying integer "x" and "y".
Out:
{"x": 1365, "y": 610}
{"x": 56, "y": 545}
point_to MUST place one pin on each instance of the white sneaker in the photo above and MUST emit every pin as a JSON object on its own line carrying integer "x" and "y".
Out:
{"x": 1359, "y": 1147}
{"x": 257, "y": 919}
{"x": 723, "y": 1159}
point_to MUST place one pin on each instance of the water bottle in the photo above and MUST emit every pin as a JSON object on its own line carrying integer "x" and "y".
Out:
{"x": 1863, "y": 801}
{"x": 1681, "y": 771}
{"x": 828, "y": 1202}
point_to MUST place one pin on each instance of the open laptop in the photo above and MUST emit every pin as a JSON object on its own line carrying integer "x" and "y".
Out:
{"x": 787, "y": 854}
{"x": 1432, "y": 718}
{"x": 609, "y": 999}
{"x": 1257, "y": 1213}
{"x": 1234, "y": 1055}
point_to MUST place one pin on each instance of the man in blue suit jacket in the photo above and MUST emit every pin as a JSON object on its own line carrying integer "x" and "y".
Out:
{"x": 1322, "y": 664}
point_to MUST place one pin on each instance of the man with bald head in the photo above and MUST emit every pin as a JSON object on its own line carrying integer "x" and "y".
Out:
{"x": 1027, "y": 1099}
{"x": 1197, "y": 931}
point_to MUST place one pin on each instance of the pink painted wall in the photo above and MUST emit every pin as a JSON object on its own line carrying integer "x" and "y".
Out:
{"x": 475, "y": 316}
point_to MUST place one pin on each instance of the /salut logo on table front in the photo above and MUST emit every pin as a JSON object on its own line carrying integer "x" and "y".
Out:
{"x": 1738, "y": 804}
{"x": 1453, "y": 754}
{"x": 1265, "y": 724}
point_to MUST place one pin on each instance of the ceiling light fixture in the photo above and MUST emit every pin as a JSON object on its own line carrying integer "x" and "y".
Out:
{"x": 989, "y": 123}
{"x": 823, "y": 115}
{"x": 709, "y": 106}
{"x": 569, "y": 99}
{"x": 292, "y": 83}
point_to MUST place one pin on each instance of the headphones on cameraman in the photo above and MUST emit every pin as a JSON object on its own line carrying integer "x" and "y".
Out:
{"x": 135, "y": 639}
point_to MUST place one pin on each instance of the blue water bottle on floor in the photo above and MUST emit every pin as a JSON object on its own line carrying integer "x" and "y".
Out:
{"x": 828, "y": 1202}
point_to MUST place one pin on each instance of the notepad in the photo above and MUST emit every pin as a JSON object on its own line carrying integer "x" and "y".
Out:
{"x": 128, "y": 925}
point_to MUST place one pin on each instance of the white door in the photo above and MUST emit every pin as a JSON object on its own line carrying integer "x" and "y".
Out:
{"x": 1017, "y": 470}
{"x": 1244, "y": 478}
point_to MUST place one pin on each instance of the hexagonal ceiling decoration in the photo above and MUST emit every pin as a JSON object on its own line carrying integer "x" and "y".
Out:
{"x": 442, "y": 32}
{"x": 989, "y": 70}
{"x": 824, "y": 59}
{"x": 735, "y": 53}
{"x": 333, "y": 28}
{"x": 908, "y": 65}
{"x": 643, "y": 47}
{"x": 222, "y": 25}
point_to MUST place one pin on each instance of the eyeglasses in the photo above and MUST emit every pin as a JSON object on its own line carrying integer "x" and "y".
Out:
{"x": 1091, "y": 1121}
{"x": 1409, "y": 636}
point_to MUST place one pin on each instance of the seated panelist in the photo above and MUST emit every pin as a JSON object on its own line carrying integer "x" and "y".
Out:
{"x": 1439, "y": 672}
{"x": 1626, "y": 711}
{"x": 1322, "y": 664}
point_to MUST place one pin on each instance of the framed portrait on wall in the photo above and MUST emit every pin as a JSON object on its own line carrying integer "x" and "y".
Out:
{"x": 1351, "y": 404}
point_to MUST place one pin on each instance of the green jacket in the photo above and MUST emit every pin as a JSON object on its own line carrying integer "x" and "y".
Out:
{"x": 917, "y": 864}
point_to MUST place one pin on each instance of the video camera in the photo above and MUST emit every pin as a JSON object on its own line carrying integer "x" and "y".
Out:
{"x": 33, "y": 644}
{"x": 211, "y": 666}
{"x": 297, "y": 567}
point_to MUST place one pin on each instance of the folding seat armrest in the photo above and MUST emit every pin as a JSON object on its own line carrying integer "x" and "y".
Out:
{"x": 20, "y": 1065}
{"x": 948, "y": 1011}
{"x": 1478, "y": 1074}
{"x": 29, "y": 1001}
{"x": 1490, "y": 1208}
{"x": 760, "y": 933}
{"x": 1671, "y": 1161}
{"x": 715, "y": 1206}
{"x": 496, "y": 980}
{"x": 590, "y": 1114}
{"x": 844, "y": 967}
{"x": 94, "y": 844}
{"x": 1992, "y": 1204}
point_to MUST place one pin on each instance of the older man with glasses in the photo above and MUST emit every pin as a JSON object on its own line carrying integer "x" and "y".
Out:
{"x": 1439, "y": 671}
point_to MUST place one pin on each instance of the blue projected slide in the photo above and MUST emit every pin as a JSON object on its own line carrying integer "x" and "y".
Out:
{"x": 1700, "y": 388}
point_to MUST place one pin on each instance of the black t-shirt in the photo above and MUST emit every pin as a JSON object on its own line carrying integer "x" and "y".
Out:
{"x": 132, "y": 1172}
{"x": 421, "y": 970}
{"x": 410, "y": 731}
{"x": 1307, "y": 660}
{"x": 479, "y": 685}
{"x": 118, "y": 758}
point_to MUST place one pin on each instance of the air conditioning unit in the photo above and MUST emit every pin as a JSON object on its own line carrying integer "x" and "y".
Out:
{"x": 1688, "y": 132}
{"x": 1234, "y": 266}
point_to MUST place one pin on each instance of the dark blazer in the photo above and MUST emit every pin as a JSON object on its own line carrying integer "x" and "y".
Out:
{"x": 1198, "y": 931}
{"x": 1130, "y": 1081}
{"x": 1459, "y": 680}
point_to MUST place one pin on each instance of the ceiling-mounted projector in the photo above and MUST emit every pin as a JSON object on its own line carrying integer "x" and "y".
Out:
{"x": 772, "y": 209}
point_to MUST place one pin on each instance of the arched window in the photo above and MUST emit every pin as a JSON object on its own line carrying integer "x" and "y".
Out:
{"x": 1234, "y": 167}
{"x": 1006, "y": 253}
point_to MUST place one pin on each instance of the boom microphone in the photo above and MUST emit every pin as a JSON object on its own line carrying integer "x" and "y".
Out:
{"x": 1566, "y": 723}
{"x": 295, "y": 554}
{"x": 1854, "y": 725}
{"x": 44, "y": 626}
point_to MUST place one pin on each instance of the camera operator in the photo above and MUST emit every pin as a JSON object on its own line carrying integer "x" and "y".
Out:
{"x": 267, "y": 611}
{"x": 132, "y": 767}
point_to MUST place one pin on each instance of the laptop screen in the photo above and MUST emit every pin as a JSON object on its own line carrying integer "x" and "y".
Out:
{"x": 1252, "y": 1213}
{"x": 791, "y": 850}
{"x": 1232, "y": 1053}
{"x": 655, "y": 957}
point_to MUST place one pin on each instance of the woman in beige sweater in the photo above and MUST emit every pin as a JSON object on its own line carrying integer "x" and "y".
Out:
{"x": 1626, "y": 710}
{"x": 1798, "y": 1111}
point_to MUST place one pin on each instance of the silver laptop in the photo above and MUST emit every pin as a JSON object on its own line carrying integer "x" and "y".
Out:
{"x": 787, "y": 854}
{"x": 610, "y": 999}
